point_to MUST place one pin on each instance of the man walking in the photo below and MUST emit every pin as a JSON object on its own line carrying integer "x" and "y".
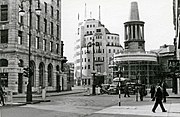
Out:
{"x": 158, "y": 100}
{"x": 126, "y": 91}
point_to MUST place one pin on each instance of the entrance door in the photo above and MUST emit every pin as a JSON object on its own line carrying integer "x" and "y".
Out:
{"x": 20, "y": 82}
{"x": 58, "y": 87}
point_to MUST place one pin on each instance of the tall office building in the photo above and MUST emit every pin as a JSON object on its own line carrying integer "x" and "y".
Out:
{"x": 134, "y": 62}
{"x": 94, "y": 39}
{"x": 46, "y": 54}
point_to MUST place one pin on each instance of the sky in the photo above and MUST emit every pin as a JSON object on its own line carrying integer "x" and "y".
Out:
{"x": 157, "y": 15}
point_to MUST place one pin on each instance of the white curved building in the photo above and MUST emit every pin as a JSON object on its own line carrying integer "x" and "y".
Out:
{"x": 91, "y": 32}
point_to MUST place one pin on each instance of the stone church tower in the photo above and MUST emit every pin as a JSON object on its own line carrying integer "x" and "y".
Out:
{"x": 134, "y": 31}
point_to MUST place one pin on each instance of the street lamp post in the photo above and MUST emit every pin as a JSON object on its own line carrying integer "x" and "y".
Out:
{"x": 119, "y": 83}
{"x": 21, "y": 12}
{"x": 93, "y": 61}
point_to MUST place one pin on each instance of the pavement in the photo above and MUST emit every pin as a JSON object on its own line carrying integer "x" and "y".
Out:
{"x": 20, "y": 99}
{"x": 143, "y": 110}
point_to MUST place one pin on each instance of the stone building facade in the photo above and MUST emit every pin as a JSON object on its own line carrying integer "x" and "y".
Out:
{"x": 46, "y": 58}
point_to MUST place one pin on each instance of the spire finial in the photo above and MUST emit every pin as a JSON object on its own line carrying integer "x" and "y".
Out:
{"x": 134, "y": 15}
{"x": 85, "y": 13}
{"x": 99, "y": 13}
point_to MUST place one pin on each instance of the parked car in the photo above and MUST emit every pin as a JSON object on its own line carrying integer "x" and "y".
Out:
{"x": 113, "y": 89}
{"x": 104, "y": 88}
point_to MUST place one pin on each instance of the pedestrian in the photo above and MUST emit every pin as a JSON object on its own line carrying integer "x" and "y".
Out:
{"x": 158, "y": 100}
{"x": 126, "y": 91}
{"x": 152, "y": 91}
{"x": 165, "y": 93}
{"x": 2, "y": 95}
{"x": 141, "y": 92}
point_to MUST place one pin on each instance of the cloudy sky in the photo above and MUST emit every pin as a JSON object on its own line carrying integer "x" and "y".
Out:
{"x": 157, "y": 15}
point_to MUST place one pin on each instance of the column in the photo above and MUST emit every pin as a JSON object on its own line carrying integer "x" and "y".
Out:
{"x": 125, "y": 32}
{"x": 142, "y": 32}
{"x": 136, "y": 32}
{"x": 132, "y": 32}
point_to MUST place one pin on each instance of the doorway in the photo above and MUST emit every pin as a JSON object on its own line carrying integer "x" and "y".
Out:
{"x": 20, "y": 82}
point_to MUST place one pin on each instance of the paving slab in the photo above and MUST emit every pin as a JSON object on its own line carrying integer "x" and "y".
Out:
{"x": 173, "y": 110}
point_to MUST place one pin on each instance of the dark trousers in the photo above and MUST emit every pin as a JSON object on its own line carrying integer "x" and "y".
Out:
{"x": 2, "y": 99}
{"x": 156, "y": 104}
{"x": 126, "y": 93}
{"x": 141, "y": 97}
{"x": 152, "y": 95}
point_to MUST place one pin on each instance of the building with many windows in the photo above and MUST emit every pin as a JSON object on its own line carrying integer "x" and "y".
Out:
{"x": 46, "y": 55}
{"x": 94, "y": 39}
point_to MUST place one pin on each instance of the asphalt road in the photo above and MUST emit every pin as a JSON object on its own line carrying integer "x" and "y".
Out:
{"x": 76, "y": 105}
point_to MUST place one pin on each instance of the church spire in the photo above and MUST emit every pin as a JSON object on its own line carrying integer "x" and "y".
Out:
{"x": 134, "y": 13}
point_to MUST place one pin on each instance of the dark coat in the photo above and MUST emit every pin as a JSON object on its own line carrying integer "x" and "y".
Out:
{"x": 1, "y": 91}
{"x": 159, "y": 94}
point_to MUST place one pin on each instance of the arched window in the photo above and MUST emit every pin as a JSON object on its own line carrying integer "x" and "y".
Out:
{"x": 3, "y": 63}
{"x": 50, "y": 74}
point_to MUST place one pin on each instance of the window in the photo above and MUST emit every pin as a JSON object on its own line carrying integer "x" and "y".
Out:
{"x": 51, "y": 46}
{"x": 89, "y": 67}
{"x": 58, "y": 3}
{"x": 52, "y": 10}
{"x": 20, "y": 37}
{"x": 45, "y": 25}
{"x": 50, "y": 74}
{"x": 20, "y": 18}
{"x": 57, "y": 14}
{"x": 45, "y": 5}
{"x": 109, "y": 50}
{"x": 4, "y": 36}
{"x": 98, "y": 30}
{"x": 38, "y": 22}
{"x": 52, "y": 32}
{"x": 4, "y": 12}
{"x": 44, "y": 44}
{"x": 27, "y": 40}
{"x": 3, "y": 63}
{"x": 37, "y": 43}
{"x": 57, "y": 48}
{"x": 58, "y": 31}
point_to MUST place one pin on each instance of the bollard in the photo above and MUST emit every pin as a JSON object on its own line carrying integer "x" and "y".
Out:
{"x": 9, "y": 97}
{"x": 43, "y": 93}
